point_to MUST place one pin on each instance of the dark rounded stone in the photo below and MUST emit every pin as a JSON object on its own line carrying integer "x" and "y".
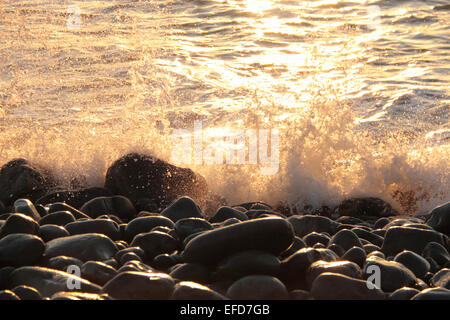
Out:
{"x": 20, "y": 249}
{"x": 299, "y": 295}
{"x": 363, "y": 207}
{"x": 131, "y": 285}
{"x": 20, "y": 179}
{"x": 191, "y": 272}
{"x": 440, "y": 218}
{"x": 229, "y": 222}
{"x": 137, "y": 266}
{"x": 314, "y": 237}
{"x": 376, "y": 254}
{"x": 97, "y": 272}
{"x": 369, "y": 236}
{"x": 116, "y": 205}
{"x": 333, "y": 286}
{"x": 404, "y": 293}
{"x": 394, "y": 275}
{"x": 225, "y": 213}
{"x": 258, "y": 287}
{"x": 398, "y": 239}
{"x": 74, "y": 198}
{"x": 139, "y": 176}
{"x": 346, "y": 239}
{"x": 187, "y": 226}
{"x": 441, "y": 279}
{"x": 346, "y": 268}
{"x": 381, "y": 223}
{"x": 162, "y": 229}
{"x": 437, "y": 252}
{"x": 101, "y": 226}
{"x": 154, "y": 243}
{"x": 247, "y": 263}
{"x": 212, "y": 246}
{"x": 62, "y": 263}
{"x": 112, "y": 217}
{"x": 304, "y": 225}
{"x": 136, "y": 250}
{"x": 59, "y": 218}
{"x": 27, "y": 208}
{"x": 164, "y": 261}
{"x": 369, "y": 248}
{"x": 27, "y": 293}
{"x": 112, "y": 262}
{"x": 8, "y": 295}
{"x": 380, "y": 232}
{"x": 181, "y": 208}
{"x": 86, "y": 247}
{"x": 356, "y": 255}
{"x": 187, "y": 290}
{"x": 319, "y": 246}
{"x": 337, "y": 249}
{"x": 5, "y": 273}
{"x": 349, "y": 220}
{"x": 296, "y": 245}
{"x": 49, "y": 232}
{"x": 49, "y": 281}
{"x": 413, "y": 262}
{"x": 19, "y": 223}
{"x": 60, "y": 206}
{"x": 120, "y": 244}
{"x": 293, "y": 269}
{"x": 129, "y": 256}
{"x": 433, "y": 294}
{"x": 145, "y": 224}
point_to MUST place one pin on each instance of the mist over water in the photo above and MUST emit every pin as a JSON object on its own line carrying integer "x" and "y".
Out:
{"x": 361, "y": 101}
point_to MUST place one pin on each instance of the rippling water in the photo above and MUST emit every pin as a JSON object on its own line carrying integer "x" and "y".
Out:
{"x": 359, "y": 90}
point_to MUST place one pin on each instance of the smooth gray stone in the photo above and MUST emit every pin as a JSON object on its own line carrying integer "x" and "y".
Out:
{"x": 333, "y": 286}
{"x": 258, "y": 287}
{"x": 86, "y": 247}
{"x": 131, "y": 285}
{"x": 20, "y": 249}
{"x": 49, "y": 281}
{"x": 212, "y": 246}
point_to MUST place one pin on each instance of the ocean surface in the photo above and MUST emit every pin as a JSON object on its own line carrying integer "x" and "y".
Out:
{"x": 356, "y": 91}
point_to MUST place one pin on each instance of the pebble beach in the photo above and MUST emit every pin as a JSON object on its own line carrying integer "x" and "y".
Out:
{"x": 153, "y": 232}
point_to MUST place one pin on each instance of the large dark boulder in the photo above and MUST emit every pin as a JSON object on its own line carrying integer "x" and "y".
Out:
{"x": 20, "y": 179}
{"x": 440, "y": 219}
{"x": 365, "y": 207}
{"x": 143, "y": 179}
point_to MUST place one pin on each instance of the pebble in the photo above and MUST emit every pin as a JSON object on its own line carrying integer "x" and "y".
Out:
{"x": 369, "y": 236}
{"x": 49, "y": 232}
{"x": 188, "y": 290}
{"x": 136, "y": 250}
{"x": 63, "y": 262}
{"x": 27, "y": 208}
{"x": 145, "y": 224}
{"x": 314, "y": 237}
{"x": 97, "y": 272}
{"x": 27, "y": 293}
{"x": 414, "y": 262}
{"x": 135, "y": 265}
{"x": 247, "y": 263}
{"x": 333, "y": 286}
{"x": 61, "y": 206}
{"x": 258, "y": 287}
{"x": 183, "y": 207}
{"x": 346, "y": 239}
{"x": 304, "y": 225}
{"x": 393, "y": 276}
{"x": 20, "y": 249}
{"x": 440, "y": 218}
{"x": 296, "y": 245}
{"x": 441, "y": 278}
{"x": 404, "y": 293}
{"x": 191, "y": 272}
{"x": 398, "y": 239}
{"x": 224, "y": 213}
{"x": 437, "y": 252}
{"x": 19, "y": 223}
{"x": 100, "y": 226}
{"x": 74, "y": 198}
{"x": 59, "y": 218}
{"x": 356, "y": 255}
{"x": 86, "y": 247}
{"x": 8, "y": 295}
{"x": 116, "y": 205}
{"x": 187, "y": 226}
{"x": 132, "y": 285}
{"x": 212, "y": 246}
{"x": 433, "y": 294}
{"x": 155, "y": 243}
{"x": 346, "y": 268}
{"x": 49, "y": 281}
